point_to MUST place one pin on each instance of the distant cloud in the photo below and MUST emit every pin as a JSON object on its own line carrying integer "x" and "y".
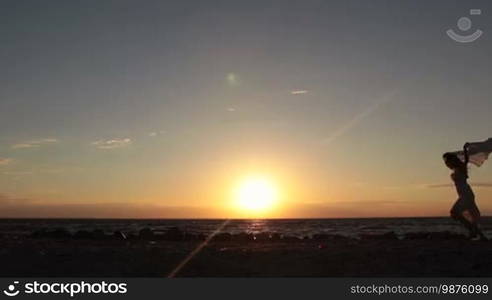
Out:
{"x": 5, "y": 200}
{"x": 34, "y": 143}
{"x": 481, "y": 184}
{"x": 232, "y": 79}
{"x": 16, "y": 207}
{"x": 156, "y": 133}
{"x": 18, "y": 173}
{"x": 112, "y": 144}
{"x": 5, "y": 161}
{"x": 299, "y": 92}
{"x": 231, "y": 109}
{"x": 450, "y": 185}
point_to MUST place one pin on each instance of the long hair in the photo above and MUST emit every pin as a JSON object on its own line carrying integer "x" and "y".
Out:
{"x": 453, "y": 162}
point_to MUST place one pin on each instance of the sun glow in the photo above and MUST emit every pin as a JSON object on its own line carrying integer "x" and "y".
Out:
{"x": 256, "y": 194}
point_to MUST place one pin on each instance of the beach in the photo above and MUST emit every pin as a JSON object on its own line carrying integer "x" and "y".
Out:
{"x": 156, "y": 254}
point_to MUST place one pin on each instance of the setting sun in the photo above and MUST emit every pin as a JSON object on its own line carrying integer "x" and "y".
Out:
{"x": 256, "y": 194}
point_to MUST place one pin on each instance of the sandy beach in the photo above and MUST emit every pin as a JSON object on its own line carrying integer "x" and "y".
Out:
{"x": 59, "y": 253}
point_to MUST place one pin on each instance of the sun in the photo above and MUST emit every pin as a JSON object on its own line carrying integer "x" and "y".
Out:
{"x": 256, "y": 194}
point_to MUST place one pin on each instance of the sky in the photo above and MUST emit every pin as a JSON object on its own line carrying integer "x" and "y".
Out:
{"x": 157, "y": 109}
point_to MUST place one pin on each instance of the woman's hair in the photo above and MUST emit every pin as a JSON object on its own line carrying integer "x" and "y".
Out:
{"x": 453, "y": 161}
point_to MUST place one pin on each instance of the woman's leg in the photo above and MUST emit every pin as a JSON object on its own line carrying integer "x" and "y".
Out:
{"x": 468, "y": 225}
{"x": 461, "y": 215}
{"x": 475, "y": 221}
{"x": 458, "y": 214}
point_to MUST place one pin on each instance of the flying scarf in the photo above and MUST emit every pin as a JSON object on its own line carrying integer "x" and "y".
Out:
{"x": 478, "y": 152}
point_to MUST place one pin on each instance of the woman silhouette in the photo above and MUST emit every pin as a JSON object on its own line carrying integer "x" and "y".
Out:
{"x": 464, "y": 210}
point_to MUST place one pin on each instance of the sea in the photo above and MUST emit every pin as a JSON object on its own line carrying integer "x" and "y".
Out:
{"x": 286, "y": 227}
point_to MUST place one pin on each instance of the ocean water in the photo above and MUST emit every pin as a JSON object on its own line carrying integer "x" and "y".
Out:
{"x": 286, "y": 227}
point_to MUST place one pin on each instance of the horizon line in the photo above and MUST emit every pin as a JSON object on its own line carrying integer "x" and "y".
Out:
{"x": 222, "y": 219}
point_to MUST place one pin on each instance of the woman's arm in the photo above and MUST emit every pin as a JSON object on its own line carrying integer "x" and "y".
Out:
{"x": 467, "y": 157}
{"x": 465, "y": 152}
